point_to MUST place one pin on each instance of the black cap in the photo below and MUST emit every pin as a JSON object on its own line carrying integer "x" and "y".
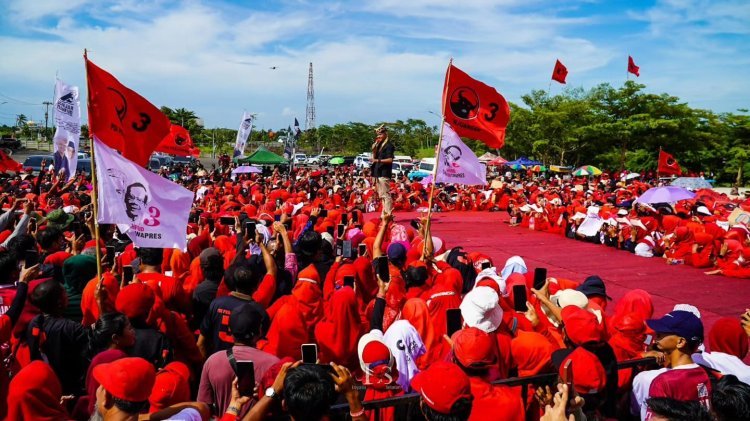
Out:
{"x": 245, "y": 322}
{"x": 593, "y": 285}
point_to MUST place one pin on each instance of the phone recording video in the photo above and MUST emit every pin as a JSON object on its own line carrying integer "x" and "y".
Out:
{"x": 245, "y": 377}
{"x": 362, "y": 249}
{"x": 540, "y": 278}
{"x": 109, "y": 258}
{"x": 340, "y": 230}
{"x": 344, "y": 219}
{"x": 227, "y": 220}
{"x": 250, "y": 227}
{"x": 309, "y": 353}
{"x": 127, "y": 274}
{"x": 486, "y": 265}
{"x": 382, "y": 268}
{"x": 349, "y": 281}
{"x": 347, "y": 251}
{"x": 519, "y": 298}
{"x": 453, "y": 320}
{"x": 30, "y": 258}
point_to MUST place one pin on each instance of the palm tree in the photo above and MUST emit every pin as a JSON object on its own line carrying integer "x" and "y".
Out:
{"x": 21, "y": 120}
{"x": 182, "y": 117}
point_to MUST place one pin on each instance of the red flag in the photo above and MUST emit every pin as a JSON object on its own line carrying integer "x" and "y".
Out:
{"x": 632, "y": 68}
{"x": 560, "y": 72}
{"x": 473, "y": 109}
{"x": 9, "y": 164}
{"x": 668, "y": 165}
{"x": 177, "y": 142}
{"x": 121, "y": 118}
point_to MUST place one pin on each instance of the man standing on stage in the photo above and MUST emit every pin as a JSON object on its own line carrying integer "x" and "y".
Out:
{"x": 382, "y": 160}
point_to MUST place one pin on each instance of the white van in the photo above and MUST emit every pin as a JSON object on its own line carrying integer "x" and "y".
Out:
{"x": 403, "y": 158}
{"x": 427, "y": 165}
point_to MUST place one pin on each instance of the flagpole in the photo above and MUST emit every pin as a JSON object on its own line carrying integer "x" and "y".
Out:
{"x": 439, "y": 148}
{"x": 94, "y": 195}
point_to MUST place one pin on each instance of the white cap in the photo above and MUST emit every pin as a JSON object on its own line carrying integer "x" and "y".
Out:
{"x": 703, "y": 211}
{"x": 622, "y": 212}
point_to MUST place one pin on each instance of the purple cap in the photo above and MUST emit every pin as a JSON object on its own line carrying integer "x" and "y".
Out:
{"x": 396, "y": 252}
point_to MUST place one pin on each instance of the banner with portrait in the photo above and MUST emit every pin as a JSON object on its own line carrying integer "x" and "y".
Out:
{"x": 150, "y": 209}
{"x": 67, "y": 108}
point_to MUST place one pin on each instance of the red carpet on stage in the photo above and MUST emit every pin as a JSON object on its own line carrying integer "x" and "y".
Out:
{"x": 489, "y": 233}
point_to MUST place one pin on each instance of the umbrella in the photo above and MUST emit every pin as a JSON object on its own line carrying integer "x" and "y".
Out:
{"x": 691, "y": 183}
{"x": 247, "y": 169}
{"x": 587, "y": 170}
{"x": 336, "y": 161}
{"x": 538, "y": 168}
{"x": 426, "y": 181}
{"x": 516, "y": 167}
{"x": 668, "y": 194}
{"x": 497, "y": 161}
{"x": 632, "y": 175}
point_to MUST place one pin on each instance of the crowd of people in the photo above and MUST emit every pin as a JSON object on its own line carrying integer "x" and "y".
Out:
{"x": 281, "y": 263}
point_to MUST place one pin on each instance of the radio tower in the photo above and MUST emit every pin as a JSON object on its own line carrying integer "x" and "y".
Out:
{"x": 310, "y": 118}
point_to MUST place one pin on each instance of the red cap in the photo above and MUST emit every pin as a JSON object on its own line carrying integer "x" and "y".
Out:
{"x": 135, "y": 301}
{"x": 588, "y": 372}
{"x": 129, "y": 379}
{"x": 170, "y": 387}
{"x": 581, "y": 325}
{"x": 473, "y": 347}
{"x": 441, "y": 385}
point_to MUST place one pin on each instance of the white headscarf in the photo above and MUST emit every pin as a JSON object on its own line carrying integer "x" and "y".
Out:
{"x": 406, "y": 346}
{"x": 492, "y": 274}
{"x": 514, "y": 264}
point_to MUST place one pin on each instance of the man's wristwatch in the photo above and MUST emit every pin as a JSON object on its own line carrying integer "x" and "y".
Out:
{"x": 272, "y": 393}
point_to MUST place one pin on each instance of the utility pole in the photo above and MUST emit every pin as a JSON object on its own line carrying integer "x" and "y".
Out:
{"x": 46, "y": 116}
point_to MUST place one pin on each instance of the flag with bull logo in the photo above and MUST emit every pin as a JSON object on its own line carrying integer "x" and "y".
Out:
{"x": 150, "y": 209}
{"x": 457, "y": 164}
{"x": 123, "y": 119}
{"x": 474, "y": 109}
{"x": 178, "y": 142}
{"x": 68, "y": 128}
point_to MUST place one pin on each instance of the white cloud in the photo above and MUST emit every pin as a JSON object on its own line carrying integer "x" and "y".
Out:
{"x": 375, "y": 61}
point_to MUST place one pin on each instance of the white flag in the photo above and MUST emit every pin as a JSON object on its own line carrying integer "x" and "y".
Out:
{"x": 154, "y": 209}
{"x": 68, "y": 122}
{"x": 457, "y": 163}
{"x": 243, "y": 133}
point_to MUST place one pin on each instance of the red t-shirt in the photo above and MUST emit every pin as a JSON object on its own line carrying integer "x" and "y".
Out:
{"x": 684, "y": 383}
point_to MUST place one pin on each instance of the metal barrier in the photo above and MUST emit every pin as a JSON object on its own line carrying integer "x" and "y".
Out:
{"x": 413, "y": 398}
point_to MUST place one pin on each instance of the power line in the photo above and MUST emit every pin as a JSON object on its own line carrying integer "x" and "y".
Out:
{"x": 18, "y": 100}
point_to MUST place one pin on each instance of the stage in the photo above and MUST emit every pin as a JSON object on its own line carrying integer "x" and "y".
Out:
{"x": 489, "y": 233}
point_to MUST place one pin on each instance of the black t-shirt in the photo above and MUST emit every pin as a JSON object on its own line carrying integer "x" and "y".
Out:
{"x": 384, "y": 152}
{"x": 204, "y": 293}
{"x": 151, "y": 345}
{"x": 64, "y": 346}
{"x": 215, "y": 325}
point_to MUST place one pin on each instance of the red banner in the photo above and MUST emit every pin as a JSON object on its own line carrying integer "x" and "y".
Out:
{"x": 9, "y": 164}
{"x": 668, "y": 165}
{"x": 473, "y": 109}
{"x": 121, "y": 118}
{"x": 178, "y": 142}
{"x": 632, "y": 68}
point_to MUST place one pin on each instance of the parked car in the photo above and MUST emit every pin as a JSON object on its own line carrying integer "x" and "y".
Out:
{"x": 10, "y": 143}
{"x": 83, "y": 155}
{"x": 35, "y": 162}
{"x": 401, "y": 168}
{"x": 164, "y": 160}
{"x": 84, "y": 165}
{"x": 154, "y": 165}
{"x": 349, "y": 160}
{"x": 362, "y": 162}
{"x": 300, "y": 158}
{"x": 183, "y": 160}
{"x": 426, "y": 167}
{"x": 403, "y": 158}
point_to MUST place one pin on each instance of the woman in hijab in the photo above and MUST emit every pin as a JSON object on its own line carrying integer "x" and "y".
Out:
{"x": 532, "y": 352}
{"x": 416, "y": 313}
{"x": 406, "y": 346}
{"x": 445, "y": 295}
{"x": 379, "y": 373}
{"x": 628, "y": 334}
{"x": 77, "y": 272}
{"x": 337, "y": 334}
{"x": 634, "y": 301}
{"x": 34, "y": 394}
{"x": 514, "y": 264}
{"x": 729, "y": 346}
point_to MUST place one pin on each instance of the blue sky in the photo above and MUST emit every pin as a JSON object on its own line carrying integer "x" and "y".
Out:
{"x": 374, "y": 60}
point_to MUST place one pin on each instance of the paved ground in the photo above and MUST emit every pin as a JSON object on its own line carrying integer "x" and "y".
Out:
{"x": 716, "y": 296}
